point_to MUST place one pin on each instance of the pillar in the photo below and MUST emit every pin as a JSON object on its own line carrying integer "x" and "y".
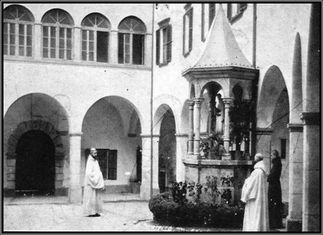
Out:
{"x": 77, "y": 50}
{"x": 197, "y": 121}
{"x": 146, "y": 166}
{"x": 190, "y": 150}
{"x": 37, "y": 42}
{"x": 294, "y": 219}
{"x": 226, "y": 135}
{"x": 113, "y": 47}
{"x": 263, "y": 145}
{"x": 147, "y": 51}
{"x": 311, "y": 117}
{"x": 75, "y": 192}
{"x": 181, "y": 140}
{"x": 211, "y": 106}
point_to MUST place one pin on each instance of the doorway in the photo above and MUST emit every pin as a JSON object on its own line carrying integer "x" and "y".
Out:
{"x": 35, "y": 164}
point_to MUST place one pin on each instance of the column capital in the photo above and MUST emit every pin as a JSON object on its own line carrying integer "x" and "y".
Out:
{"x": 75, "y": 134}
{"x": 295, "y": 127}
{"x": 227, "y": 101}
{"x": 311, "y": 118}
{"x": 198, "y": 101}
{"x": 181, "y": 135}
{"x": 149, "y": 136}
{"x": 190, "y": 104}
{"x": 264, "y": 131}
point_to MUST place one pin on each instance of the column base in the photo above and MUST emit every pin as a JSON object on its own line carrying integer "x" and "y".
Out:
{"x": 75, "y": 195}
{"x": 145, "y": 192}
{"x": 293, "y": 225}
{"x": 226, "y": 156}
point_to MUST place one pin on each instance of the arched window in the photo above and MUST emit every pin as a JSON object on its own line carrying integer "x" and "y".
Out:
{"x": 131, "y": 41}
{"x": 95, "y": 38}
{"x": 57, "y": 34}
{"x": 17, "y": 31}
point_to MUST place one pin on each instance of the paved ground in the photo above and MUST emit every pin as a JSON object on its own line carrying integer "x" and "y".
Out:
{"x": 55, "y": 214}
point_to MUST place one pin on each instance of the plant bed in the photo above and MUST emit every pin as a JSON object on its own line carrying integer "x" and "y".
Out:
{"x": 176, "y": 210}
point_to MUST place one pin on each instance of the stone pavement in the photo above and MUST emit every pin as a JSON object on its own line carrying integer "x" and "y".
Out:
{"x": 56, "y": 214}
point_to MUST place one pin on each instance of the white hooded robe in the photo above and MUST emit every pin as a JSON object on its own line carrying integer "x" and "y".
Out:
{"x": 93, "y": 183}
{"x": 254, "y": 194}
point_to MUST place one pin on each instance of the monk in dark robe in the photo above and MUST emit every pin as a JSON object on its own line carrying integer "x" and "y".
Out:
{"x": 275, "y": 192}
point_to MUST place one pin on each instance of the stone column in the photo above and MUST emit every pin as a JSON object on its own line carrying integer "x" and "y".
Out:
{"x": 147, "y": 50}
{"x": 155, "y": 164}
{"x": 294, "y": 219}
{"x": 226, "y": 134}
{"x": 263, "y": 145}
{"x": 146, "y": 166}
{"x": 113, "y": 47}
{"x": 311, "y": 117}
{"x": 211, "y": 106}
{"x": 197, "y": 121}
{"x": 181, "y": 140}
{"x": 190, "y": 150}
{"x": 75, "y": 191}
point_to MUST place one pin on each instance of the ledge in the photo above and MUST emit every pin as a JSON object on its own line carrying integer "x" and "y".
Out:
{"x": 211, "y": 162}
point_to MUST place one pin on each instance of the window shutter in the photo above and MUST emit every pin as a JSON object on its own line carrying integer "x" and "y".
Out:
{"x": 112, "y": 165}
{"x": 211, "y": 13}
{"x": 157, "y": 46}
{"x": 169, "y": 43}
{"x": 184, "y": 22}
{"x": 202, "y": 22}
{"x": 190, "y": 29}
{"x": 229, "y": 12}
{"x": 120, "y": 48}
{"x": 242, "y": 7}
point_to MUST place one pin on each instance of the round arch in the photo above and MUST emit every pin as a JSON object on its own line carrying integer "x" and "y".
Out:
{"x": 19, "y": 13}
{"x": 272, "y": 86}
{"x": 161, "y": 104}
{"x": 36, "y": 112}
{"x": 107, "y": 126}
{"x": 133, "y": 24}
{"x": 164, "y": 121}
{"x": 273, "y": 114}
{"x": 116, "y": 100}
{"x": 58, "y": 18}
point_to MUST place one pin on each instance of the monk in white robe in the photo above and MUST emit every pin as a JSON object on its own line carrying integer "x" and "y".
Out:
{"x": 254, "y": 195}
{"x": 93, "y": 186}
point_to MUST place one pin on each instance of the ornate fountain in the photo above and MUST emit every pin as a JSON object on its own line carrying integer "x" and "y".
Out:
{"x": 224, "y": 79}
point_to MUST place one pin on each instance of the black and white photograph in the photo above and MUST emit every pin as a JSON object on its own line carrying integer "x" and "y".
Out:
{"x": 161, "y": 116}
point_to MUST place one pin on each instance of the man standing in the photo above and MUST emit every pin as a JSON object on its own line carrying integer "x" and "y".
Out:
{"x": 254, "y": 194}
{"x": 93, "y": 186}
{"x": 275, "y": 192}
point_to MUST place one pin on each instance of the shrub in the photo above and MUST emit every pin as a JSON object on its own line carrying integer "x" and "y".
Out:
{"x": 174, "y": 208}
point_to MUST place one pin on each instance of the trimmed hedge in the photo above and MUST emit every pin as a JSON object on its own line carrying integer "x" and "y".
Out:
{"x": 167, "y": 211}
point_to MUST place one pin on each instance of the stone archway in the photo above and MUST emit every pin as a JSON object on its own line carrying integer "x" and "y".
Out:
{"x": 35, "y": 164}
{"x": 56, "y": 137}
{"x": 167, "y": 145}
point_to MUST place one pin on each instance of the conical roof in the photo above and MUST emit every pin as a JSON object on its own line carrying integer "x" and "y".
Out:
{"x": 221, "y": 48}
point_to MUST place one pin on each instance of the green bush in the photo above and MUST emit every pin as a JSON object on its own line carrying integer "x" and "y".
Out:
{"x": 167, "y": 211}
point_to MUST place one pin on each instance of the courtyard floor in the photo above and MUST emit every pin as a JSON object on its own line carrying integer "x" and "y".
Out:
{"x": 55, "y": 214}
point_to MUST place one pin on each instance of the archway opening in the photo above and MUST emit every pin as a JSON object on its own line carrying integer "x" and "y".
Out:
{"x": 280, "y": 139}
{"x": 35, "y": 164}
{"x": 37, "y": 112}
{"x": 112, "y": 126}
{"x": 167, "y": 152}
{"x": 273, "y": 112}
